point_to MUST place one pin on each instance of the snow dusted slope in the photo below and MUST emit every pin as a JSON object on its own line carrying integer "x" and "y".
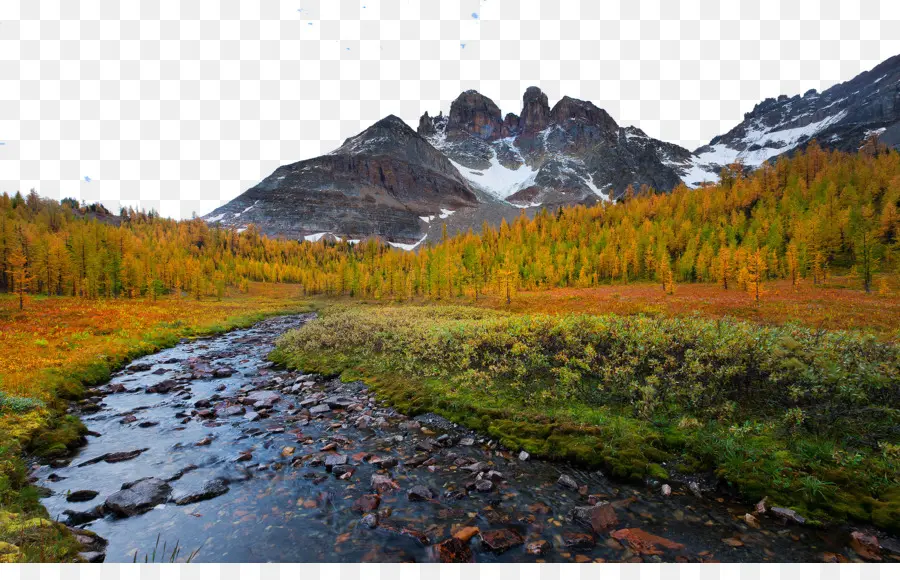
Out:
{"x": 841, "y": 117}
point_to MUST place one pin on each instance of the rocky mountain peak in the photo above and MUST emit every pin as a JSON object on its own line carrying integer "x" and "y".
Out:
{"x": 471, "y": 113}
{"x": 535, "y": 112}
{"x": 569, "y": 110}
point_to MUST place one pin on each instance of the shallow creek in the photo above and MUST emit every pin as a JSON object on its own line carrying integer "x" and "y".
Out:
{"x": 255, "y": 463}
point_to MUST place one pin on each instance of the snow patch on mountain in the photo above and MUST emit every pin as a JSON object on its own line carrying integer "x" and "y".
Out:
{"x": 408, "y": 247}
{"x": 497, "y": 180}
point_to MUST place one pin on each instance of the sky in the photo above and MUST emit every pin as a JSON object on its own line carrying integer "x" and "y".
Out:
{"x": 183, "y": 106}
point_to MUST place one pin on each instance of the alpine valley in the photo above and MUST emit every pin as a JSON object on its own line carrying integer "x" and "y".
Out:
{"x": 476, "y": 165}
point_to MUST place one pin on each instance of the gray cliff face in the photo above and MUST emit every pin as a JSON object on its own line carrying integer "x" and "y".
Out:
{"x": 476, "y": 164}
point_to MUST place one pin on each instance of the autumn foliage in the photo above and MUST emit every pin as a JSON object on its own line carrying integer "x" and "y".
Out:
{"x": 802, "y": 218}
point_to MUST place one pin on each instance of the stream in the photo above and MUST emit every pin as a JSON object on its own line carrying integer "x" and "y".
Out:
{"x": 210, "y": 445}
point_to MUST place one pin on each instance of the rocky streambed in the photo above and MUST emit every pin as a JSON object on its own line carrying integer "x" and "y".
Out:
{"x": 209, "y": 445}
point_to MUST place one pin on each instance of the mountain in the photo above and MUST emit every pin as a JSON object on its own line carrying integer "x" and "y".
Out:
{"x": 377, "y": 183}
{"x": 842, "y": 117}
{"x": 572, "y": 153}
{"x": 476, "y": 164}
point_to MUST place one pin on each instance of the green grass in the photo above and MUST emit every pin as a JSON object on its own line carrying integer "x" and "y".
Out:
{"x": 803, "y": 417}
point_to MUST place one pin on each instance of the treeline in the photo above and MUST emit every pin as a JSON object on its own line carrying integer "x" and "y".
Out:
{"x": 804, "y": 217}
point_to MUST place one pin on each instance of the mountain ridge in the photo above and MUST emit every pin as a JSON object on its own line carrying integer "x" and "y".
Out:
{"x": 476, "y": 164}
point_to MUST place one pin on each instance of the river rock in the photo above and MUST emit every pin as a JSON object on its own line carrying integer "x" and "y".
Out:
{"x": 334, "y": 459}
{"x": 82, "y": 495}
{"x": 787, "y": 515}
{"x": 537, "y": 548}
{"x": 523, "y": 455}
{"x": 501, "y": 540}
{"x": 600, "y": 517}
{"x": 93, "y": 557}
{"x": 370, "y": 520}
{"x": 384, "y": 462}
{"x": 319, "y": 410}
{"x": 138, "y": 497}
{"x": 567, "y": 481}
{"x": 645, "y": 543}
{"x": 452, "y": 551}
{"x": 865, "y": 545}
{"x": 484, "y": 485}
{"x": 89, "y": 541}
{"x": 139, "y": 367}
{"x": 162, "y": 387}
{"x": 338, "y": 402}
{"x": 261, "y": 399}
{"x": 383, "y": 484}
{"x": 208, "y": 490}
{"x": 420, "y": 493}
{"x": 578, "y": 541}
{"x": 116, "y": 457}
{"x": 367, "y": 503}
{"x": 76, "y": 518}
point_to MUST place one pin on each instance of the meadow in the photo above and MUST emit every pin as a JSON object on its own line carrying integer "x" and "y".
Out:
{"x": 838, "y": 304}
{"x": 802, "y": 416}
{"x": 57, "y": 347}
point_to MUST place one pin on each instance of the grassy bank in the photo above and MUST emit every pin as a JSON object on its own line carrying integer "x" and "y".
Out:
{"x": 805, "y": 417}
{"x": 56, "y": 348}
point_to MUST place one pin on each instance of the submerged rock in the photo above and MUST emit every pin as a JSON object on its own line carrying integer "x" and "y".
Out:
{"x": 501, "y": 540}
{"x": 645, "y": 543}
{"x": 452, "y": 551}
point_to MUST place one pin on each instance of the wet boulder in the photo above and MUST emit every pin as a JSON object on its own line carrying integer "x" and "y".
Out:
{"x": 208, "y": 490}
{"x": 82, "y": 495}
{"x": 138, "y": 497}
{"x": 420, "y": 493}
{"x": 76, "y": 518}
{"x": 600, "y": 517}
